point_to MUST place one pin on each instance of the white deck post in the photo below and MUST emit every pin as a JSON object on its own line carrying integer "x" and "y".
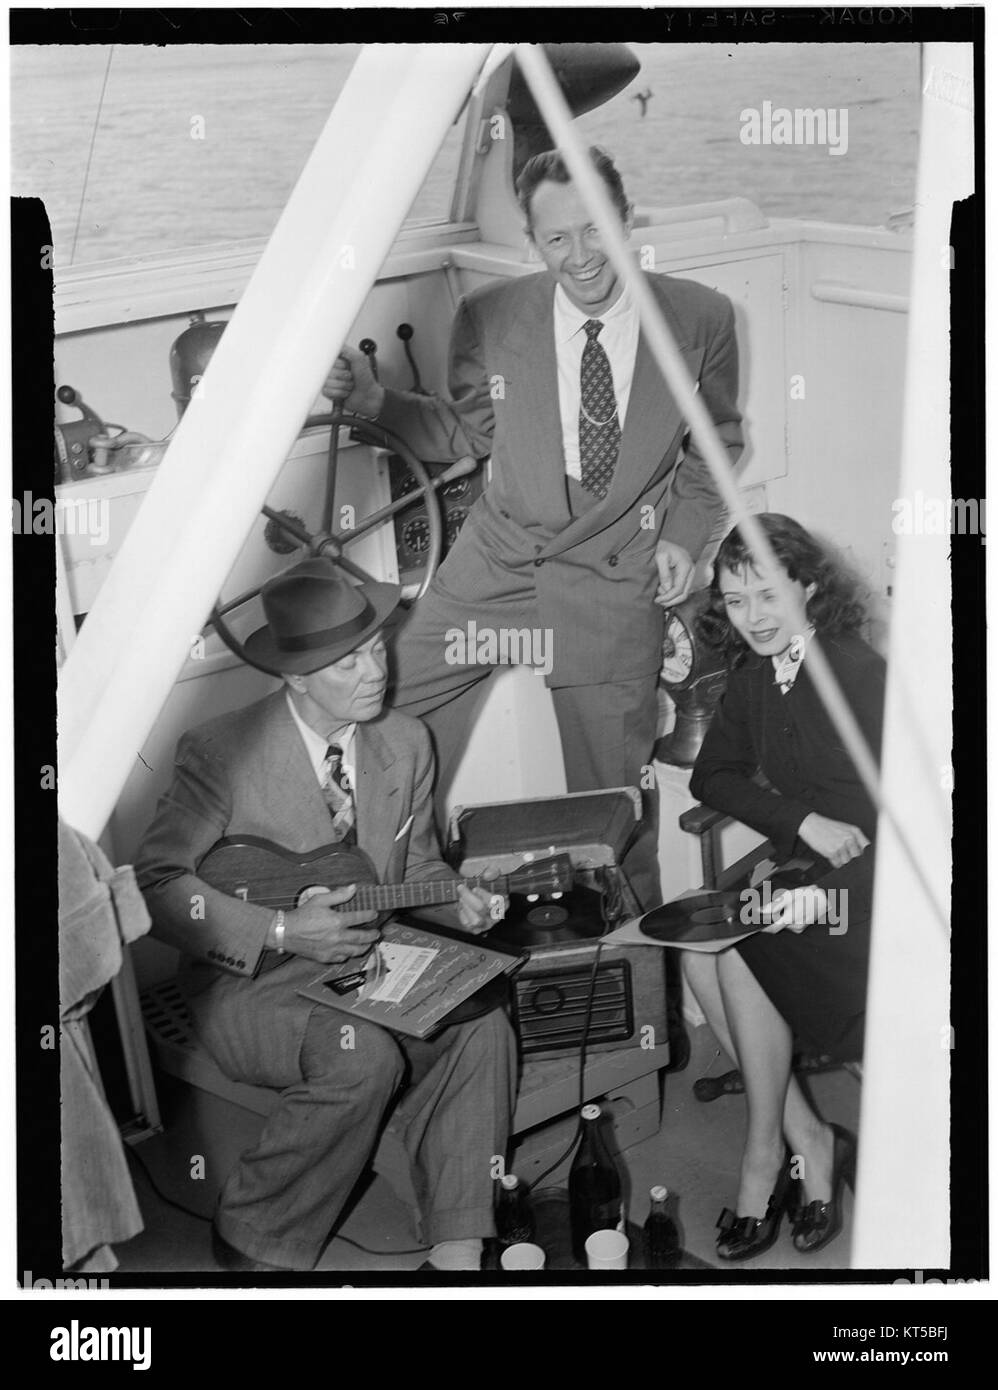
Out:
{"x": 902, "y": 1207}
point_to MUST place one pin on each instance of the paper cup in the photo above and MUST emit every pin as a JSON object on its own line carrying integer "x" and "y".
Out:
{"x": 607, "y": 1250}
{"x": 523, "y": 1256}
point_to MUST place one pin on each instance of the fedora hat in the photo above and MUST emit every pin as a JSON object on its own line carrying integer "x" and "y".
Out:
{"x": 315, "y": 616}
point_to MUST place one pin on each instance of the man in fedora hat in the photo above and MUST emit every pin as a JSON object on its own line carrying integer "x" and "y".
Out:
{"x": 320, "y": 760}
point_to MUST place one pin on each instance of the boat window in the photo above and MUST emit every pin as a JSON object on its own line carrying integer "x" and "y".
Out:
{"x": 196, "y": 144}
{"x": 680, "y": 134}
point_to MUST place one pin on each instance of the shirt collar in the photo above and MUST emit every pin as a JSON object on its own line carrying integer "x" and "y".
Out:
{"x": 316, "y": 745}
{"x": 568, "y": 318}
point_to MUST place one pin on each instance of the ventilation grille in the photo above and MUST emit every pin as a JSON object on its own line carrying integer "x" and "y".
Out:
{"x": 551, "y": 1006}
{"x": 167, "y": 1016}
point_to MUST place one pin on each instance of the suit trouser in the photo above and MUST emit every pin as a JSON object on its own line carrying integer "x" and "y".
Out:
{"x": 607, "y": 730}
{"x": 338, "y": 1077}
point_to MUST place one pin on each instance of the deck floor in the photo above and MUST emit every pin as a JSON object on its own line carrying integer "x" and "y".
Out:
{"x": 695, "y": 1154}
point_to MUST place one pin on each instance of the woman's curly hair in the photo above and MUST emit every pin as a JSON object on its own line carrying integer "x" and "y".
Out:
{"x": 836, "y": 605}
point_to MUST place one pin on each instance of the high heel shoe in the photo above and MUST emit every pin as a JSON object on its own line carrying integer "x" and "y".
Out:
{"x": 744, "y": 1236}
{"x": 818, "y": 1223}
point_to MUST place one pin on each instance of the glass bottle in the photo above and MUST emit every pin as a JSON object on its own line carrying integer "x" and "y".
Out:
{"x": 661, "y": 1237}
{"x": 594, "y": 1186}
{"x": 514, "y": 1218}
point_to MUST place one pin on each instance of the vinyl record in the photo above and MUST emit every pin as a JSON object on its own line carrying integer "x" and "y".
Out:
{"x": 702, "y": 917}
{"x": 547, "y": 915}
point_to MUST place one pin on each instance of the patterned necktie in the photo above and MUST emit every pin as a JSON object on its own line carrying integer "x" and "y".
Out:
{"x": 599, "y": 428}
{"x": 338, "y": 796}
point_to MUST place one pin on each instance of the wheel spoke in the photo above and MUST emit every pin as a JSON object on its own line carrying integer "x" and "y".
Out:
{"x": 353, "y": 569}
{"x": 222, "y": 608}
{"x": 332, "y": 467}
{"x": 383, "y": 514}
{"x": 293, "y": 528}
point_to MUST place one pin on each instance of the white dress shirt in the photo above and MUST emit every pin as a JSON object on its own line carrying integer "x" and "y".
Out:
{"x": 316, "y": 747}
{"x": 619, "y": 340}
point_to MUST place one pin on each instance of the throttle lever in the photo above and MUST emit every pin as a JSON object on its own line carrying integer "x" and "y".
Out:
{"x": 370, "y": 350}
{"x": 460, "y": 469}
{"x": 74, "y": 438}
{"x": 405, "y": 332}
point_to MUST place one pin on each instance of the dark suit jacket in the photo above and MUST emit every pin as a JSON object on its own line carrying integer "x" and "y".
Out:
{"x": 592, "y": 578}
{"x": 793, "y": 741}
{"x": 248, "y": 772}
{"x": 817, "y": 979}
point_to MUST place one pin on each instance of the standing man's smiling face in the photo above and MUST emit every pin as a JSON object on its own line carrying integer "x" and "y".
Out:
{"x": 569, "y": 244}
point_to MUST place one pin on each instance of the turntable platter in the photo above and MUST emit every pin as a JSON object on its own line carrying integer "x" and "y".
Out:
{"x": 575, "y": 916}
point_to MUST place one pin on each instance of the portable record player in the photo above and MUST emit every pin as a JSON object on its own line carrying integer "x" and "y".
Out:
{"x": 555, "y": 990}
{"x": 592, "y": 828}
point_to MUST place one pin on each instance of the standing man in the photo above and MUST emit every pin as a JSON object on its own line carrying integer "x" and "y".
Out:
{"x": 599, "y": 503}
{"x": 315, "y": 763}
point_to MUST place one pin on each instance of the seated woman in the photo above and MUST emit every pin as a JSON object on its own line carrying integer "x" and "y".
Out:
{"x": 810, "y": 980}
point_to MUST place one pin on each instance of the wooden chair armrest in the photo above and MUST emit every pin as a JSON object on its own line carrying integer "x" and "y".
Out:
{"x": 706, "y": 824}
{"x": 699, "y": 819}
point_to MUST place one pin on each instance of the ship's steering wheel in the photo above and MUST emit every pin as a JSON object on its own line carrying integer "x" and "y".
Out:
{"x": 330, "y": 542}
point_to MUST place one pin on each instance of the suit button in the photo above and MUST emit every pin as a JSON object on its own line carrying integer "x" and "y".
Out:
{"x": 505, "y": 515}
{"x": 612, "y": 562}
{"x": 538, "y": 563}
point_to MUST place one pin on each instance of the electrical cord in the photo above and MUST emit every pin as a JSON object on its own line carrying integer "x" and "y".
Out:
{"x": 582, "y": 1072}
{"x": 417, "y": 1250}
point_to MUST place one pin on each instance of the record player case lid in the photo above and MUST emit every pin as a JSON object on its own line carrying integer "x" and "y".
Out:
{"x": 594, "y": 827}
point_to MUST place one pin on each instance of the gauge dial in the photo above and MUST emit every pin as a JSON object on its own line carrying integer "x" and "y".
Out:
{"x": 416, "y": 535}
{"x": 677, "y": 652}
{"x": 403, "y": 485}
{"x": 455, "y": 520}
{"x": 457, "y": 488}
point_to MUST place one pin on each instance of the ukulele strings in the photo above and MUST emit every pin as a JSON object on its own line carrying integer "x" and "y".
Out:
{"x": 433, "y": 885}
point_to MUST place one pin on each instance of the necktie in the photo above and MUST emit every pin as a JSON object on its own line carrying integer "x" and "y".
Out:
{"x": 338, "y": 796}
{"x": 599, "y": 428}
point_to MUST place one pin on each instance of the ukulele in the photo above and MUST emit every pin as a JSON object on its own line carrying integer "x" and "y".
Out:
{"x": 262, "y": 872}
